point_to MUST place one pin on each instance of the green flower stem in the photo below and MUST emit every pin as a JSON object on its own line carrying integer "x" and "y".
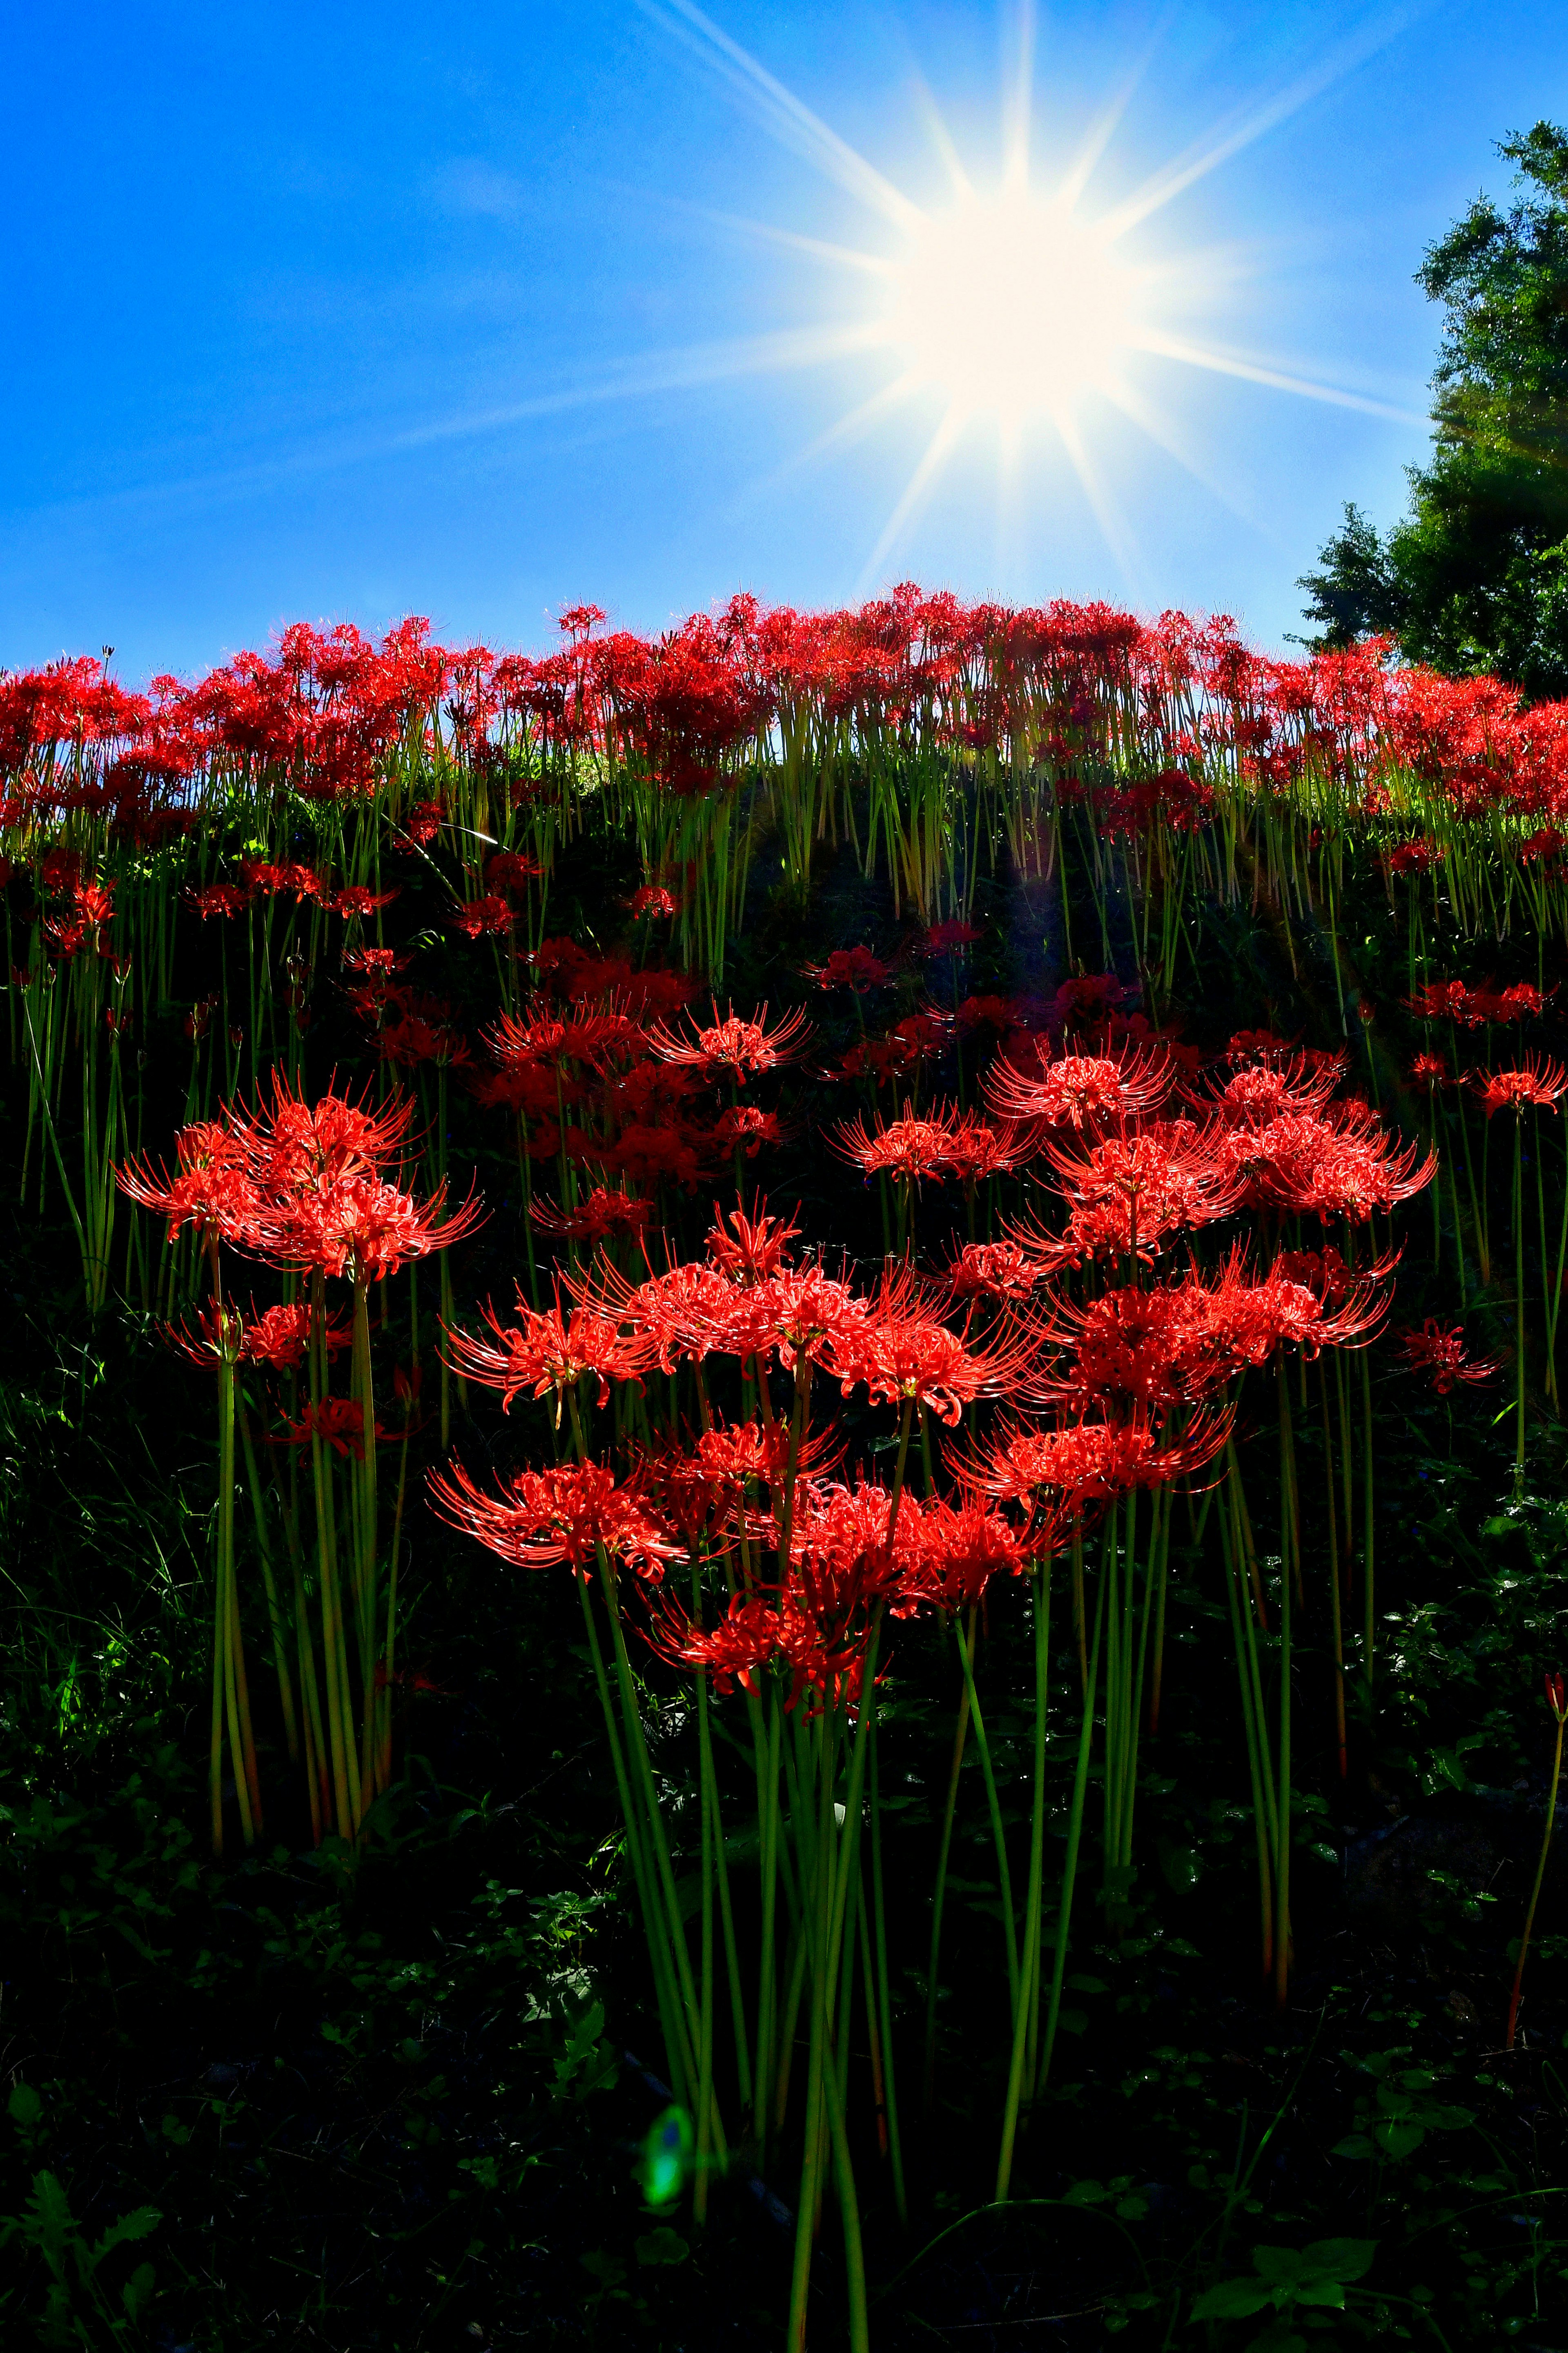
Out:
{"x": 1025, "y": 2022}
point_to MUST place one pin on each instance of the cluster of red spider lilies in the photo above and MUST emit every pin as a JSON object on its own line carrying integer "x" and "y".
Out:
{"x": 1109, "y": 1286}
{"x": 1063, "y": 1397}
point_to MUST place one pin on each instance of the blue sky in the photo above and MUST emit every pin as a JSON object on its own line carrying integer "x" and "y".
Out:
{"x": 353, "y": 314}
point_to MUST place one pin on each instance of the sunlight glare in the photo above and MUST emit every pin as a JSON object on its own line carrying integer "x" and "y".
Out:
{"x": 1012, "y": 306}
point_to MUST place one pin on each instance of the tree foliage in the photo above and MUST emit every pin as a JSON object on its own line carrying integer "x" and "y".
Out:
{"x": 1475, "y": 575}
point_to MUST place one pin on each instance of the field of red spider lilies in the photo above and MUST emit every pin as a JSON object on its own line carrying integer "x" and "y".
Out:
{"x": 784, "y": 1527}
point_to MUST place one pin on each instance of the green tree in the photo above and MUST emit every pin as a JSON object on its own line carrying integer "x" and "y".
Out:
{"x": 1476, "y": 576}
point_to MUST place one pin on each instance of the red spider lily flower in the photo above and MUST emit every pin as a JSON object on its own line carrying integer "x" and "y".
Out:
{"x": 683, "y": 1314}
{"x": 212, "y": 1187}
{"x": 1415, "y": 857}
{"x": 1173, "y": 1343}
{"x": 737, "y": 1650}
{"x": 270, "y": 879}
{"x": 1339, "y": 1165}
{"x": 549, "y": 1352}
{"x": 358, "y": 1226}
{"x": 1081, "y": 1091}
{"x": 753, "y": 1248}
{"x": 1442, "y": 1000}
{"x": 597, "y": 1216}
{"x": 1128, "y": 1194}
{"x": 951, "y": 938}
{"x": 993, "y": 1270}
{"x": 293, "y": 1143}
{"x": 847, "y": 1552}
{"x": 854, "y": 968}
{"x": 481, "y": 915}
{"x": 381, "y": 961}
{"x": 907, "y": 1148}
{"x": 1535, "y": 1085}
{"x": 903, "y": 1355}
{"x": 1557, "y": 1696}
{"x": 358, "y": 903}
{"x": 1325, "y": 1272}
{"x": 746, "y": 1129}
{"x": 1258, "y": 1093}
{"x": 217, "y": 1338}
{"x": 223, "y": 899}
{"x": 652, "y": 900}
{"x": 1088, "y": 1463}
{"x": 732, "y": 1048}
{"x": 975, "y": 1151}
{"x": 559, "y": 1518}
{"x": 1428, "y": 1070}
{"x": 340, "y": 1421}
{"x": 511, "y": 869}
{"x": 1440, "y": 1355}
{"x": 280, "y": 1336}
{"x": 425, "y": 1037}
{"x": 425, "y": 821}
{"x": 962, "y": 1546}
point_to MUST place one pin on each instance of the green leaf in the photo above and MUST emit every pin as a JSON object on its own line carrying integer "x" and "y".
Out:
{"x": 138, "y": 2289}
{"x": 1085, "y": 2193}
{"x": 25, "y": 2106}
{"x": 1343, "y": 2259}
{"x": 1397, "y": 2139}
{"x": 140, "y": 2223}
{"x": 1318, "y": 2287}
{"x": 1232, "y": 2299}
{"x": 1352, "y": 2145}
{"x": 661, "y": 2246}
{"x": 1279, "y": 2264}
{"x": 608, "y": 2270}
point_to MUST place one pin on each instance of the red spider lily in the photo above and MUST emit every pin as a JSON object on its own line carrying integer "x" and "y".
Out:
{"x": 280, "y": 1336}
{"x": 854, "y": 968}
{"x": 559, "y": 1518}
{"x": 481, "y": 915}
{"x": 1428, "y": 1070}
{"x": 291, "y": 1144}
{"x": 652, "y": 900}
{"x": 1128, "y": 1194}
{"x": 744, "y": 1128}
{"x": 974, "y": 1152}
{"x": 1088, "y": 1463}
{"x": 962, "y": 1546}
{"x": 1443, "y": 1000}
{"x": 951, "y": 938}
{"x": 907, "y": 1148}
{"x": 357, "y": 1226}
{"x": 425, "y": 821}
{"x": 340, "y": 1421}
{"x": 359, "y": 904}
{"x": 1535, "y": 1085}
{"x": 223, "y": 899}
{"x": 738, "y": 1650}
{"x": 1439, "y": 1355}
{"x": 753, "y": 1248}
{"x": 597, "y": 1216}
{"x": 683, "y": 1314}
{"x": 1081, "y": 1091}
{"x": 732, "y": 1048}
{"x": 1415, "y": 857}
{"x": 425, "y": 1037}
{"x": 549, "y": 1352}
{"x": 511, "y": 869}
{"x": 1285, "y": 1084}
{"x": 1343, "y": 1164}
{"x": 993, "y": 1270}
{"x": 212, "y": 1187}
{"x": 272, "y": 879}
{"x": 904, "y": 1354}
{"x": 1175, "y": 1343}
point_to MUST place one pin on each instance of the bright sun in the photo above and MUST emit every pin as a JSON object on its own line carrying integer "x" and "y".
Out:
{"x": 1011, "y": 307}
